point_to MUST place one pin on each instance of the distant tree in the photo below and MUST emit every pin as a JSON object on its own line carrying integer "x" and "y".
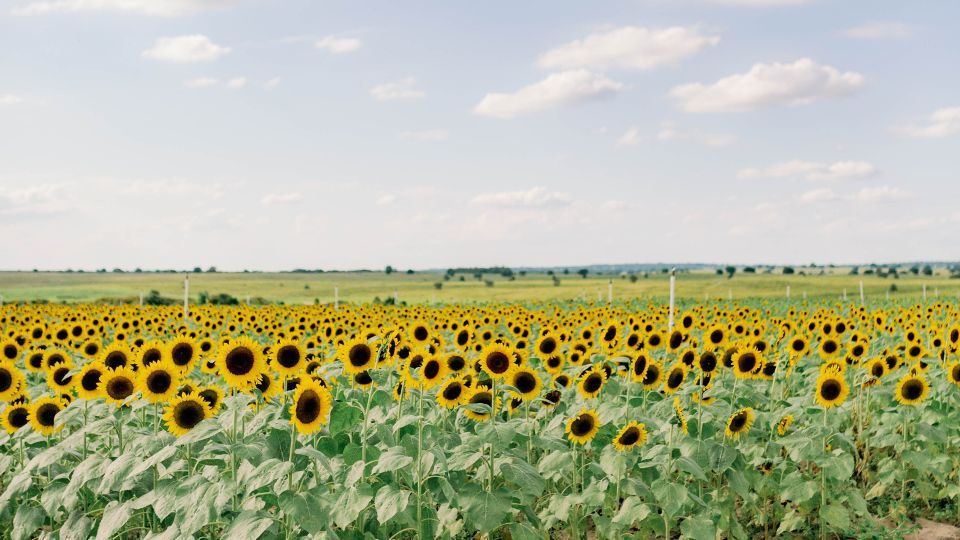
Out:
{"x": 197, "y": 269}
{"x": 566, "y": 271}
{"x": 749, "y": 270}
{"x": 522, "y": 273}
{"x": 212, "y": 270}
{"x": 549, "y": 272}
{"x": 388, "y": 270}
{"x": 719, "y": 271}
{"x": 788, "y": 270}
{"x": 633, "y": 278}
{"x": 438, "y": 285}
{"x": 410, "y": 271}
{"x": 583, "y": 272}
{"x": 893, "y": 287}
{"x": 915, "y": 270}
{"x": 137, "y": 270}
{"x": 854, "y": 270}
{"x": 462, "y": 278}
{"x": 731, "y": 270}
{"x": 927, "y": 270}
{"x": 488, "y": 282}
{"x": 117, "y": 270}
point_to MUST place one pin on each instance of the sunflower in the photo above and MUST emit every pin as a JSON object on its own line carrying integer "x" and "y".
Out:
{"x": 583, "y": 427}
{"x": 151, "y": 352}
{"x": 184, "y": 353}
{"x": 34, "y": 361}
{"x": 15, "y": 417}
{"x": 716, "y": 336}
{"x": 452, "y": 392}
{"x": 456, "y": 363}
{"x": 832, "y": 390}
{"x": 241, "y": 362}
{"x": 633, "y": 434}
{"x": 311, "y": 407}
{"x": 953, "y": 372}
{"x": 213, "y": 395}
{"x": 357, "y": 356}
{"x": 747, "y": 363}
{"x": 158, "y": 381}
{"x": 784, "y": 424}
{"x": 739, "y": 423}
{"x": 43, "y": 414}
{"x": 912, "y": 390}
{"x": 553, "y": 364}
{"x": 116, "y": 355}
{"x": 432, "y": 373}
{"x": 547, "y": 346}
{"x": 674, "y": 379}
{"x": 708, "y": 362}
{"x": 496, "y": 360}
{"x": 56, "y": 356}
{"x": 798, "y": 346}
{"x": 877, "y": 368}
{"x": 183, "y": 413}
{"x": 419, "y": 332}
{"x": 591, "y": 382}
{"x": 88, "y": 380}
{"x": 638, "y": 367}
{"x": 681, "y": 415}
{"x": 652, "y": 376}
{"x": 116, "y": 385}
{"x": 526, "y": 381}
{"x": 59, "y": 378}
{"x": 11, "y": 380}
{"x": 362, "y": 380}
{"x": 91, "y": 348}
{"x": 829, "y": 348}
{"x": 10, "y": 350}
{"x": 481, "y": 395}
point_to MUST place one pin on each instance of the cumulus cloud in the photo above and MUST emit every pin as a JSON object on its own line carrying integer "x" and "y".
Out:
{"x": 878, "y": 30}
{"x": 155, "y": 188}
{"x": 537, "y": 197}
{"x": 281, "y": 198}
{"x": 880, "y": 194}
{"x": 630, "y": 47}
{"x": 941, "y": 123}
{"x": 237, "y": 82}
{"x": 818, "y": 195}
{"x": 8, "y": 100}
{"x": 557, "y": 90}
{"x": 272, "y": 83}
{"x": 184, "y": 49}
{"x": 405, "y": 88}
{"x": 385, "y": 200}
{"x": 32, "y": 200}
{"x": 202, "y": 82}
{"x": 425, "y": 135}
{"x": 338, "y": 45}
{"x": 155, "y": 8}
{"x": 812, "y": 170}
{"x": 631, "y": 137}
{"x": 769, "y": 85}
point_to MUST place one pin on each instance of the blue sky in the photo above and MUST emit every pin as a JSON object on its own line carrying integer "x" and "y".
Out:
{"x": 275, "y": 134}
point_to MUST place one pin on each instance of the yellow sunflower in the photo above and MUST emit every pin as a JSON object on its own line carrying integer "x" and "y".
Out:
{"x": 739, "y": 423}
{"x": 631, "y": 435}
{"x": 241, "y": 362}
{"x": 288, "y": 357}
{"x": 43, "y": 414}
{"x": 158, "y": 381}
{"x": 11, "y": 380}
{"x": 311, "y": 407}
{"x": 583, "y": 427}
{"x": 912, "y": 390}
{"x": 591, "y": 382}
{"x": 184, "y": 413}
{"x": 116, "y": 385}
{"x": 832, "y": 390}
{"x": 14, "y": 417}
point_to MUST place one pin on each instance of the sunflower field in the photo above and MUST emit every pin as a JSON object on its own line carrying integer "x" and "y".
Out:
{"x": 741, "y": 420}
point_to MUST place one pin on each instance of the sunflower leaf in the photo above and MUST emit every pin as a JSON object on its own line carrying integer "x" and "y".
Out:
{"x": 389, "y": 501}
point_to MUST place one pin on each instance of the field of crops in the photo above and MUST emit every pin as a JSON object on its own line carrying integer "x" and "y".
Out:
{"x": 747, "y": 419}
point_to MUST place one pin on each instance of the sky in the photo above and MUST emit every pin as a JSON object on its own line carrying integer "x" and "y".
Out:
{"x": 281, "y": 134}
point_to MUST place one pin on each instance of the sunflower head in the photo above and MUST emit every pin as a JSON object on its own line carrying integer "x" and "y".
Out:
{"x": 158, "y": 381}
{"x": 311, "y": 407}
{"x": 496, "y": 360}
{"x": 11, "y": 380}
{"x": 527, "y": 383}
{"x": 739, "y": 423}
{"x": 832, "y": 390}
{"x": 184, "y": 413}
{"x": 15, "y": 416}
{"x": 116, "y": 385}
{"x": 241, "y": 362}
{"x": 452, "y": 392}
{"x": 630, "y": 436}
{"x": 912, "y": 390}
{"x": 481, "y": 395}
{"x": 591, "y": 381}
{"x": 583, "y": 427}
{"x": 43, "y": 414}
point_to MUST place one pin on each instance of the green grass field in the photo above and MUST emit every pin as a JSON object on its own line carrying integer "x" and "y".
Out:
{"x": 360, "y": 287}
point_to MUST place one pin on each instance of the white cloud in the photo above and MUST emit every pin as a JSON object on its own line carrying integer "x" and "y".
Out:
{"x": 272, "y": 83}
{"x": 768, "y": 85}
{"x": 426, "y": 135}
{"x": 33, "y": 200}
{"x": 760, "y": 3}
{"x": 385, "y": 200}
{"x": 405, "y": 88}
{"x": 557, "y": 90}
{"x": 338, "y": 45}
{"x": 9, "y": 100}
{"x": 281, "y": 198}
{"x": 631, "y": 137}
{"x": 171, "y": 188}
{"x": 182, "y": 49}
{"x": 941, "y": 123}
{"x": 818, "y": 195}
{"x": 537, "y": 197}
{"x": 879, "y": 30}
{"x": 202, "y": 82}
{"x": 812, "y": 170}
{"x": 669, "y": 132}
{"x": 630, "y": 47}
{"x": 156, "y": 8}
{"x": 237, "y": 82}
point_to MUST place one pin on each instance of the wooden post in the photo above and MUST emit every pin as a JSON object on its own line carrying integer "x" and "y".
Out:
{"x": 673, "y": 285}
{"x": 336, "y": 298}
{"x": 610, "y": 292}
{"x": 788, "y": 292}
{"x": 862, "y": 300}
{"x": 141, "y": 298}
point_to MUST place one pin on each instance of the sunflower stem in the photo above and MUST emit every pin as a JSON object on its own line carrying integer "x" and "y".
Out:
{"x": 420, "y": 461}
{"x": 823, "y": 480}
{"x": 493, "y": 421}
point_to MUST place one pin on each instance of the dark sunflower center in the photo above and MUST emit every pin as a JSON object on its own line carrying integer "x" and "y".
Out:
{"x": 210, "y": 396}
{"x": 547, "y": 346}
{"x": 654, "y": 340}
{"x": 36, "y": 361}
{"x": 47, "y": 413}
{"x": 151, "y": 356}
{"x": 676, "y": 339}
{"x": 798, "y": 345}
{"x": 91, "y": 349}
{"x": 431, "y": 369}
{"x": 159, "y": 382}
{"x": 452, "y": 391}
{"x": 582, "y": 425}
{"x": 639, "y": 365}
{"x": 716, "y": 337}
{"x": 738, "y": 422}
{"x": 288, "y": 356}
{"x": 630, "y": 436}
{"x": 830, "y": 389}
{"x": 308, "y": 407}
{"x": 119, "y": 388}
{"x": 955, "y": 373}
{"x": 830, "y": 346}
{"x": 61, "y": 378}
{"x": 708, "y": 362}
{"x": 912, "y": 389}
{"x": 746, "y": 362}
{"x": 115, "y": 359}
{"x": 6, "y": 379}
{"x": 483, "y": 397}
{"x": 525, "y": 382}
{"x": 263, "y": 384}
{"x": 363, "y": 378}
{"x": 653, "y": 373}
{"x": 914, "y": 351}
{"x": 240, "y": 361}
{"x": 610, "y": 334}
{"x": 182, "y": 354}
{"x": 10, "y": 352}
{"x": 462, "y": 337}
{"x": 18, "y": 417}
{"x": 456, "y": 363}
{"x": 592, "y": 383}
{"x": 188, "y": 414}
{"x": 420, "y": 333}
{"x": 90, "y": 380}
{"x": 497, "y": 362}
{"x": 359, "y": 355}
{"x": 675, "y": 378}
{"x": 553, "y": 362}
{"x": 877, "y": 370}
{"x": 769, "y": 369}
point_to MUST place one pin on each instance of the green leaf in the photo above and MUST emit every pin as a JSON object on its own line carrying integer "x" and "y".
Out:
{"x": 27, "y": 520}
{"x": 839, "y": 467}
{"x": 392, "y": 460}
{"x": 349, "y": 505}
{"x": 523, "y": 531}
{"x": 449, "y": 521}
{"x": 524, "y": 476}
{"x": 790, "y": 522}
{"x": 344, "y": 419}
{"x": 687, "y": 465}
{"x": 670, "y": 496}
{"x": 836, "y": 516}
{"x": 555, "y": 465}
{"x": 309, "y": 510}
{"x": 115, "y": 516}
{"x": 484, "y": 511}
{"x": 389, "y": 501}
{"x": 248, "y": 526}
{"x": 633, "y": 510}
{"x": 698, "y": 528}
{"x": 153, "y": 460}
{"x": 799, "y": 492}
{"x": 18, "y": 485}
